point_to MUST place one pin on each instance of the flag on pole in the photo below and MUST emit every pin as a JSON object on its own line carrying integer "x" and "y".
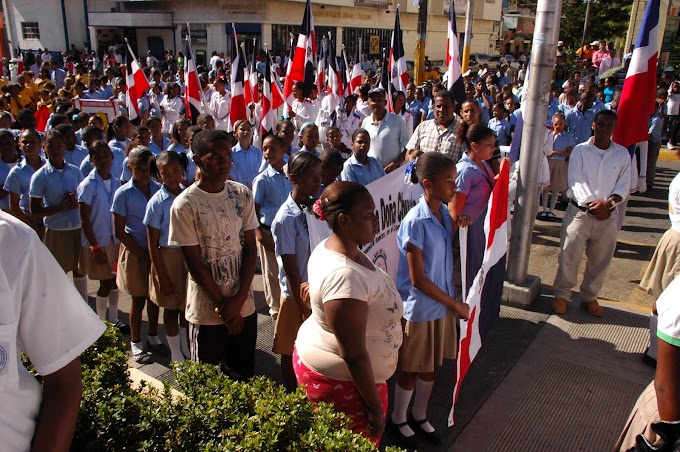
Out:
{"x": 334, "y": 78}
{"x": 303, "y": 64}
{"x": 385, "y": 80}
{"x": 454, "y": 72}
{"x": 288, "y": 82}
{"x": 136, "y": 83}
{"x": 321, "y": 68}
{"x": 355, "y": 77}
{"x": 346, "y": 73}
{"x": 247, "y": 87}
{"x": 496, "y": 232}
{"x": 192, "y": 90}
{"x": 269, "y": 119}
{"x": 237, "y": 109}
{"x": 639, "y": 89}
{"x": 397, "y": 65}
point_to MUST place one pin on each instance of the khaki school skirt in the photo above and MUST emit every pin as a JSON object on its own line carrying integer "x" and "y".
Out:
{"x": 177, "y": 272}
{"x": 65, "y": 247}
{"x": 133, "y": 273}
{"x": 87, "y": 265}
{"x": 427, "y": 344}
{"x": 664, "y": 266}
{"x": 558, "y": 175}
{"x": 288, "y": 322}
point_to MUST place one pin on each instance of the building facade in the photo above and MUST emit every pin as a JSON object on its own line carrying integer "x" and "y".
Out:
{"x": 160, "y": 25}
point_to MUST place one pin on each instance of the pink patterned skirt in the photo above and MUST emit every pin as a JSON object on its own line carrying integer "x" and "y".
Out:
{"x": 343, "y": 395}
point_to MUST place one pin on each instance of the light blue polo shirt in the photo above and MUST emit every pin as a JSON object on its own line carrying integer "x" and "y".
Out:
{"x": 245, "y": 164}
{"x": 50, "y": 184}
{"x": 116, "y": 167}
{"x": 579, "y": 125}
{"x": 422, "y": 230}
{"x": 270, "y": 191}
{"x": 355, "y": 171}
{"x": 130, "y": 203}
{"x": 476, "y": 184}
{"x": 116, "y": 143}
{"x": 4, "y": 172}
{"x": 501, "y": 129}
{"x": 153, "y": 147}
{"x": 157, "y": 215}
{"x": 92, "y": 191}
{"x": 177, "y": 148}
{"x": 291, "y": 236}
{"x": 76, "y": 155}
{"x": 560, "y": 144}
{"x": 19, "y": 182}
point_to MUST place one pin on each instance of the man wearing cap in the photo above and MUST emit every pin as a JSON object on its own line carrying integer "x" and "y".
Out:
{"x": 560, "y": 50}
{"x": 387, "y": 131}
{"x": 220, "y": 105}
{"x": 600, "y": 54}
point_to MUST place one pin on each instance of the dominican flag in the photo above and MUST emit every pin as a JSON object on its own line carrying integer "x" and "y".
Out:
{"x": 192, "y": 90}
{"x": 321, "y": 69}
{"x": 385, "y": 80}
{"x": 355, "y": 76}
{"x": 271, "y": 100}
{"x": 250, "y": 77}
{"x": 397, "y": 64}
{"x": 137, "y": 84}
{"x": 303, "y": 64}
{"x": 334, "y": 78}
{"x": 237, "y": 110}
{"x": 454, "y": 72}
{"x": 288, "y": 82}
{"x": 639, "y": 90}
{"x": 346, "y": 73}
{"x": 496, "y": 232}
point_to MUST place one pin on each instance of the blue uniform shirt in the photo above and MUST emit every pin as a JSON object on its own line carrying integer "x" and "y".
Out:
{"x": 19, "y": 182}
{"x": 50, "y": 184}
{"x": 655, "y": 127}
{"x": 116, "y": 167}
{"x": 177, "y": 148}
{"x": 131, "y": 203}
{"x": 422, "y": 230}
{"x": 153, "y": 147}
{"x": 92, "y": 191}
{"x": 270, "y": 191}
{"x": 4, "y": 172}
{"x": 76, "y": 155}
{"x": 501, "y": 129}
{"x": 354, "y": 171}
{"x": 560, "y": 144}
{"x": 245, "y": 164}
{"x": 476, "y": 183}
{"x": 579, "y": 125}
{"x": 157, "y": 215}
{"x": 291, "y": 236}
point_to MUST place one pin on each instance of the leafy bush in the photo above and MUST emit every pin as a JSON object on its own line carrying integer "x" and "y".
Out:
{"x": 213, "y": 413}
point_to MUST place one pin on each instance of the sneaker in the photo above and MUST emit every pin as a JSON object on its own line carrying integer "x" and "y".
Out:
{"x": 593, "y": 308}
{"x": 560, "y": 306}
{"x": 142, "y": 357}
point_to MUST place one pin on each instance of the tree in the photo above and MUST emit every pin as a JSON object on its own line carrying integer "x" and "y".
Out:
{"x": 608, "y": 20}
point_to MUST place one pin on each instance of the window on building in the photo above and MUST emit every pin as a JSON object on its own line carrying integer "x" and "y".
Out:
{"x": 30, "y": 30}
{"x": 373, "y": 40}
{"x": 281, "y": 35}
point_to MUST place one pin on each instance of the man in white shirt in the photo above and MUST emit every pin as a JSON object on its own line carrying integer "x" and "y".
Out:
{"x": 47, "y": 319}
{"x": 349, "y": 119}
{"x": 220, "y": 105}
{"x": 151, "y": 61}
{"x": 599, "y": 180}
{"x": 387, "y": 130}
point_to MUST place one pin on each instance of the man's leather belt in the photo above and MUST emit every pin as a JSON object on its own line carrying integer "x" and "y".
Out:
{"x": 574, "y": 203}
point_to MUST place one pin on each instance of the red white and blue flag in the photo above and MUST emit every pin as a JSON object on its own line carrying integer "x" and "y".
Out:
{"x": 304, "y": 60}
{"x": 288, "y": 82}
{"x": 397, "y": 65}
{"x": 250, "y": 77}
{"x": 346, "y": 73}
{"x": 137, "y": 84}
{"x": 192, "y": 90}
{"x": 639, "y": 90}
{"x": 496, "y": 232}
{"x": 335, "y": 89}
{"x": 321, "y": 69}
{"x": 355, "y": 77}
{"x": 454, "y": 71}
{"x": 237, "y": 110}
{"x": 271, "y": 100}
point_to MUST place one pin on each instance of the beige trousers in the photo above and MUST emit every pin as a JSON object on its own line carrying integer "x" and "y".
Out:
{"x": 270, "y": 279}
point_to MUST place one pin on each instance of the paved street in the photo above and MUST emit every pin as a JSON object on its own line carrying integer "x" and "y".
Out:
{"x": 542, "y": 382}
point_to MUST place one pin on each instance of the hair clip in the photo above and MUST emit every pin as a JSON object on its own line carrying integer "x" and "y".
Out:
{"x": 316, "y": 208}
{"x": 410, "y": 168}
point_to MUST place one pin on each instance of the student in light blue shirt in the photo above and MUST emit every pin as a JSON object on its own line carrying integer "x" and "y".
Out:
{"x": 359, "y": 167}
{"x": 291, "y": 245}
{"x": 9, "y": 157}
{"x": 158, "y": 142}
{"x": 309, "y": 136}
{"x": 579, "y": 119}
{"x": 18, "y": 182}
{"x": 655, "y": 129}
{"x": 134, "y": 266}
{"x": 500, "y": 125}
{"x": 167, "y": 281}
{"x": 270, "y": 190}
{"x": 425, "y": 283}
{"x": 99, "y": 253}
{"x": 53, "y": 196}
{"x": 246, "y": 157}
{"x": 74, "y": 154}
{"x": 179, "y": 136}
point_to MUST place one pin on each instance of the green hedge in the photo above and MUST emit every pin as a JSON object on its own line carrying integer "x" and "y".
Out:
{"x": 213, "y": 414}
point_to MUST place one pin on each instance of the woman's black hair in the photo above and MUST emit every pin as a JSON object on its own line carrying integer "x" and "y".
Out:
{"x": 58, "y": 119}
{"x": 429, "y": 165}
{"x": 300, "y": 162}
{"x": 277, "y": 139}
{"x": 394, "y": 101}
{"x": 51, "y": 134}
{"x": 113, "y": 125}
{"x": 153, "y": 118}
{"x": 6, "y": 133}
{"x": 339, "y": 197}
{"x": 96, "y": 145}
{"x": 358, "y": 131}
{"x": 167, "y": 157}
{"x": 476, "y": 133}
{"x": 175, "y": 128}
{"x": 88, "y": 131}
{"x": 139, "y": 154}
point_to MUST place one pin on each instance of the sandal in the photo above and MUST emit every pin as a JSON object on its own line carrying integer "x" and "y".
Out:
{"x": 142, "y": 357}
{"x": 433, "y": 437}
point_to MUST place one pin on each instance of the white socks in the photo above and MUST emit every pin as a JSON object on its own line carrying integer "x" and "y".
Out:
{"x": 113, "y": 306}
{"x": 553, "y": 200}
{"x": 137, "y": 348}
{"x": 101, "y": 304}
{"x": 402, "y": 397}
{"x": 184, "y": 342}
{"x": 423, "y": 392}
{"x": 153, "y": 339}
{"x": 81, "y": 286}
{"x": 653, "y": 320}
{"x": 175, "y": 348}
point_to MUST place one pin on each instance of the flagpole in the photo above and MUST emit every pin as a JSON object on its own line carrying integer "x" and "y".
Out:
{"x": 421, "y": 40}
{"x": 469, "y": 12}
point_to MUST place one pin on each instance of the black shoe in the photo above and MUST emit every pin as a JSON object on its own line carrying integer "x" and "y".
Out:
{"x": 407, "y": 442}
{"x": 123, "y": 328}
{"x": 158, "y": 348}
{"x": 433, "y": 437}
{"x": 648, "y": 360}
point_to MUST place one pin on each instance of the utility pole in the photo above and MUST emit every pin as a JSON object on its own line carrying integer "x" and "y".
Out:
{"x": 585, "y": 26}
{"x": 421, "y": 40}
{"x": 469, "y": 11}
{"x": 542, "y": 63}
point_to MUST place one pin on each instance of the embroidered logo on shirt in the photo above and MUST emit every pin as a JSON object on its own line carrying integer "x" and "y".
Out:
{"x": 3, "y": 359}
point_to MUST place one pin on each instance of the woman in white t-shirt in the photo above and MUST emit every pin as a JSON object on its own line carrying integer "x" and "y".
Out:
{"x": 348, "y": 348}
{"x": 665, "y": 264}
{"x": 673, "y": 112}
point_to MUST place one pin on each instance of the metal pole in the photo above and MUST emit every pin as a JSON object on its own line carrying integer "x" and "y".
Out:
{"x": 585, "y": 26}
{"x": 421, "y": 40}
{"x": 63, "y": 18}
{"x": 533, "y": 135}
{"x": 469, "y": 12}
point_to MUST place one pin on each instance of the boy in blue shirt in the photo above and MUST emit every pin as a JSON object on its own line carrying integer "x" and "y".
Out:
{"x": 53, "y": 196}
{"x": 361, "y": 168}
{"x": 74, "y": 154}
{"x": 655, "y": 129}
{"x": 500, "y": 125}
